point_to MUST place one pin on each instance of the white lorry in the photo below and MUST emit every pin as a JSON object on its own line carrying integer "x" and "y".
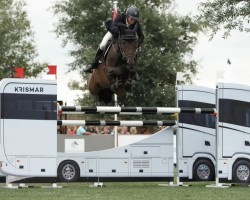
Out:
{"x": 233, "y": 103}
{"x": 28, "y": 142}
{"x": 196, "y": 134}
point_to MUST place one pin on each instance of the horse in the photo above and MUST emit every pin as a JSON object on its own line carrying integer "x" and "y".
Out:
{"x": 117, "y": 70}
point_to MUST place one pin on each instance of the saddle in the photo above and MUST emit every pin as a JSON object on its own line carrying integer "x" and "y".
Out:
{"x": 112, "y": 71}
{"x": 108, "y": 46}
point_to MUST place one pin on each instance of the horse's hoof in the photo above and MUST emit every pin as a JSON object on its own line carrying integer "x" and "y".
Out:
{"x": 113, "y": 88}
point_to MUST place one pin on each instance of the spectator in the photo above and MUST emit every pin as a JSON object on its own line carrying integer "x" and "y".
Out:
{"x": 58, "y": 129}
{"x": 92, "y": 129}
{"x": 80, "y": 131}
{"x": 106, "y": 130}
{"x": 133, "y": 130}
{"x": 161, "y": 127}
{"x": 119, "y": 129}
{"x": 124, "y": 130}
{"x": 145, "y": 130}
{"x": 71, "y": 131}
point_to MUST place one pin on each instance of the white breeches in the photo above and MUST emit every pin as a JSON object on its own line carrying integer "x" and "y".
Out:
{"x": 105, "y": 40}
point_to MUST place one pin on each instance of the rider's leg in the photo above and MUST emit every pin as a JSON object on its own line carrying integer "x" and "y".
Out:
{"x": 99, "y": 53}
{"x": 94, "y": 64}
{"x": 106, "y": 38}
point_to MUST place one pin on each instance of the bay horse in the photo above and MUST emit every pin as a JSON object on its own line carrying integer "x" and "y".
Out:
{"x": 117, "y": 70}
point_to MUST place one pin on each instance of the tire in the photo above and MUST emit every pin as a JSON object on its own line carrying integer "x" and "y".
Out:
{"x": 241, "y": 171}
{"x": 203, "y": 170}
{"x": 68, "y": 171}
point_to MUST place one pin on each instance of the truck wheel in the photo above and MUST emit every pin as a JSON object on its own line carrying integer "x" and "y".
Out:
{"x": 241, "y": 171}
{"x": 68, "y": 171}
{"x": 203, "y": 170}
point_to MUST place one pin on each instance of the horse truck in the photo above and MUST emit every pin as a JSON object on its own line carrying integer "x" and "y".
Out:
{"x": 196, "y": 134}
{"x": 28, "y": 142}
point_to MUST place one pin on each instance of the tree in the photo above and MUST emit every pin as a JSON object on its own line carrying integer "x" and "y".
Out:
{"x": 167, "y": 49}
{"x": 229, "y": 14}
{"x": 16, "y": 40}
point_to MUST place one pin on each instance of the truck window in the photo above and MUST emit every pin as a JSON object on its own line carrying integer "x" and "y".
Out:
{"x": 204, "y": 120}
{"x": 234, "y": 112}
{"x": 29, "y": 106}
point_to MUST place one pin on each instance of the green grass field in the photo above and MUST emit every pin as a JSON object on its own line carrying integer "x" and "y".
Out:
{"x": 126, "y": 191}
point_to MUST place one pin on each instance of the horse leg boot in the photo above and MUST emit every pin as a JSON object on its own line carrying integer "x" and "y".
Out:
{"x": 117, "y": 84}
{"x": 112, "y": 81}
{"x": 94, "y": 64}
{"x": 128, "y": 84}
{"x": 132, "y": 76}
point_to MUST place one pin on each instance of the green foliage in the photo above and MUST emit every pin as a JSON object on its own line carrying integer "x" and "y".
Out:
{"x": 167, "y": 49}
{"x": 229, "y": 14}
{"x": 16, "y": 40}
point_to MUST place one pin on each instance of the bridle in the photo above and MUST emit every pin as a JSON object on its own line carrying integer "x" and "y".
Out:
{"x": 121, "y": 48}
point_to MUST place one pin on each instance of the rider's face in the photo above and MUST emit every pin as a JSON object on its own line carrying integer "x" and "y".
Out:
{"x": 131, "y": 20}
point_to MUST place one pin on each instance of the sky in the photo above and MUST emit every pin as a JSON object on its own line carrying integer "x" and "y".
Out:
{"x": 50, "y": 48}
{"x": 212, "y": 55}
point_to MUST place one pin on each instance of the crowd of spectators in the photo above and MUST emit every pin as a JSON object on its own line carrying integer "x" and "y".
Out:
{"x": 109, "y": 130}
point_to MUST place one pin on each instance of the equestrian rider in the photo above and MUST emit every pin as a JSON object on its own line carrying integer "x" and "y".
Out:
{"x": 130, "y": 19}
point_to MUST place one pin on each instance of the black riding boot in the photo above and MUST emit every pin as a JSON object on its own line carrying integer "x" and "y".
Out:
{"x": 94, "y": 64}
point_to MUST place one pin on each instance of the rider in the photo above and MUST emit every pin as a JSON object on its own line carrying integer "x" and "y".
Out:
{"x": 130, "y": 19}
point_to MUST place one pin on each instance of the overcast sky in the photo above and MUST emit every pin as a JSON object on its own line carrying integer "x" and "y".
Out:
{"x": 213, "y": 55}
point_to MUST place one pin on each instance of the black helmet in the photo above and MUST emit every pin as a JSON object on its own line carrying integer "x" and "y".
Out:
{"x": 133, "y": 12}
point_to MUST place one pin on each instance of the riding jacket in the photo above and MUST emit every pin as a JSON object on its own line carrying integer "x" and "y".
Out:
{"x": 112, "y": 27}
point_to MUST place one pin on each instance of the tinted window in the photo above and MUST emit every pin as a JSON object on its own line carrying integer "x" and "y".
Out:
{"x": 205, "y": 120}
{"x": 234, "y": 112}
{"x": 28, "y": 106}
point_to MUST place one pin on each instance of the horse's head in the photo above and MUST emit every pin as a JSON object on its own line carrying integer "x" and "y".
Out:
{"x": 128, "y": 44}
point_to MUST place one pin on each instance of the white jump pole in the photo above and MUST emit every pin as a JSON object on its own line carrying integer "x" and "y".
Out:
{"x": 218, "y": 153}
{"x": 115, "y": 118}
{"x": 115, "y": 123}
{"x": 138, "y": 110}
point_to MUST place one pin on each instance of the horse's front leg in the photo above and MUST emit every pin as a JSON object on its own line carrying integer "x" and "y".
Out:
{"x": 131, "y": 77}
{"x": 118, "y": 84}
{"x": 115, "y": 79}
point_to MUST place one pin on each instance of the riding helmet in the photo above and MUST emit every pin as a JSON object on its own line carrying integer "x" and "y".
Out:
{"x": 133, "y": 12}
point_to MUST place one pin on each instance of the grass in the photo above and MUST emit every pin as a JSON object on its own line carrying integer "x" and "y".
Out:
{"x": 128, "y": 191}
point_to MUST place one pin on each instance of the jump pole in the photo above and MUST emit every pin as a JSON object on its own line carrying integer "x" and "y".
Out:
{"x": 131, "y": 110}
{"x": 115, "y": 115}
{"x": 115, "y": 123}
